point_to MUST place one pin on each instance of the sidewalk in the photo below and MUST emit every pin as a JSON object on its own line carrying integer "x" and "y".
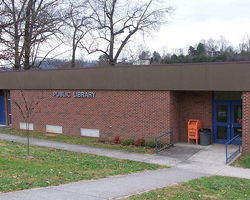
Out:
{"x": 200, "y": 162}
{"x": 107, "y": 188}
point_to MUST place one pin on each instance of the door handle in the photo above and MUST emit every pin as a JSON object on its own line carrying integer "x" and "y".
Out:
{"x": 228, "y": 126}
{"x": 232, "y": 126}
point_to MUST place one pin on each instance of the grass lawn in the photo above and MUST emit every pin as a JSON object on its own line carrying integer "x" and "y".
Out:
{"x": 214, "y": 187}
{"x": 242, "y": 161}
{"x": 49, "y": 167}
{"x": 81, "y": 140}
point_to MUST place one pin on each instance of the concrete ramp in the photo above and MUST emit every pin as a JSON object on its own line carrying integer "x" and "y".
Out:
{"x": 206, "y": 159}
{"x": 181, "y": 151}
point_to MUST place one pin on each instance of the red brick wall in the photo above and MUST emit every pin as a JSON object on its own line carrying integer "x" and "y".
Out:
{"x": 246, "y": 123}
{"x": 128, "y": 114}
{"x": 175, "y": 114}
{"x": 195, "y": 105}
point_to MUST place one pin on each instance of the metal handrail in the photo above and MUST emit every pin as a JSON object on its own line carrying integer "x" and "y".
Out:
{"x": 156, "y": 142}
{"x": 238, "y": 150}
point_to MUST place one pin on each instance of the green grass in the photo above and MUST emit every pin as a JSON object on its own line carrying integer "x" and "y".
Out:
{"x": 242, "y": 161}
{"x": 214, "y": 187}
{"x": 82, "y": 141}
{"x": 49, "y": 167}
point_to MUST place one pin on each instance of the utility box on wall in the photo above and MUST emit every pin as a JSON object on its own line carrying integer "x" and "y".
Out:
{"x": 193, "y": 130}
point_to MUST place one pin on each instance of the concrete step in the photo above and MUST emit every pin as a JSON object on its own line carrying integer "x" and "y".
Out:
{"x": 5, "y": 127}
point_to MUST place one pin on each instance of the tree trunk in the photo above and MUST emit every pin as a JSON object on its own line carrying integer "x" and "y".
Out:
{"x": 17, "y": 56}
{"x": 73, "y": 61}
{"x": 111, "y": 50}
{"x": 110, "y": 15}
{"x": 27, "y": 36}
{"x": 17, "y": 65}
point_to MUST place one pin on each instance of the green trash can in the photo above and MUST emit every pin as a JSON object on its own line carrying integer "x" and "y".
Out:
{"x": 205, "y": 136}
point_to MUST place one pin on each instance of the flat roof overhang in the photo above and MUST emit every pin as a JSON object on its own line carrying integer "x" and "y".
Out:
{"x": 231, "y": 76}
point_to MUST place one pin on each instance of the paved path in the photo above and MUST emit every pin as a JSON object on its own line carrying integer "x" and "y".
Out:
{"x": 192, "y": 162}
{"x": 107, "y": 188}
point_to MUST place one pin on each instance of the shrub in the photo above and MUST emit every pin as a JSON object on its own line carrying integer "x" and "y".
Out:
{"x": 117, "y": 140}
{"x": 128, "y": 142}
{"x": 140, "y": 142}
{"x": 151, "y": 144}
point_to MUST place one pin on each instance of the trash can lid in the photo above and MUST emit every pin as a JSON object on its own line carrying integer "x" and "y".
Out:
{"x": 205, "y": 130}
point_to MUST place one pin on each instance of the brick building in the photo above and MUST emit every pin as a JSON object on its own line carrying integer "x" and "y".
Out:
{"x": 132, "y": 101}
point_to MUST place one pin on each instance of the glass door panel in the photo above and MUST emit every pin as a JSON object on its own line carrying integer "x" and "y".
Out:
{"x": 227, "y": 120}
{"x": 237, "y": 131}
{"x": 222, "y": 113}
{"x": 237, "y": 117}
{"x": 221, "y": 121}
{"x": 236, "y": 121}
{"x": 221, "y": 132}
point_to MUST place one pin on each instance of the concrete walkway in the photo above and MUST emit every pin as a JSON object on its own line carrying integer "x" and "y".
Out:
{"x": 188, "y": 162}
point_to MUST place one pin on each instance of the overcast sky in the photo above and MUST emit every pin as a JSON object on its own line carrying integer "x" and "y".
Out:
{"x": 195, "y": 20}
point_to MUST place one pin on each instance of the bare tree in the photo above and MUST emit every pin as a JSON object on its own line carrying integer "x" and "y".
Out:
{"x": 27, "y": 108}
{"x": 222, "y": 44}
{"x": 164, "y": 51}
{"x": 117, "y": 21}
{"x": 211, "y": 45}
{"x": 245, "y": 43}
{"x": 78, "y": 24}
{"x": 134, "y": 54}
{"x": 26, "y": 25}
{"x": 242, "y": 47}
{"x": 145, "y": 55}
{"x": 218, "y": 45}
{"x": 178, "y": 51}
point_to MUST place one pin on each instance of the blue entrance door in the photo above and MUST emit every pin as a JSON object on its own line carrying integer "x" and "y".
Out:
{"x": 2, "y": 110}
{"x": 227, "y": 120}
